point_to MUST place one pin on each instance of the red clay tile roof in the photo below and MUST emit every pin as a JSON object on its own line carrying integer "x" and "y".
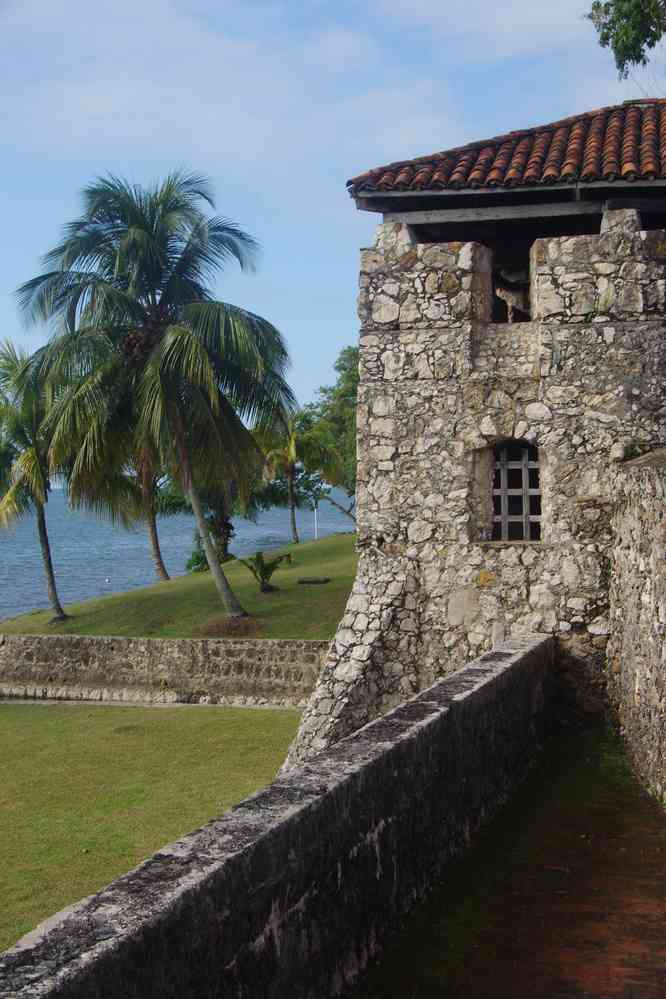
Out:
{"x": 625, "y": 142}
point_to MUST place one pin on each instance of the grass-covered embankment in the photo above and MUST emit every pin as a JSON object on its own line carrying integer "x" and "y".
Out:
{"x": 189, "y": 607}
{"x": 88, "y": 792}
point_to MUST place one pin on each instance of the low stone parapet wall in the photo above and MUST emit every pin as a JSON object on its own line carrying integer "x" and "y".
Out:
{"x": 292, "y": 892}
{"x": 155, "y": 670}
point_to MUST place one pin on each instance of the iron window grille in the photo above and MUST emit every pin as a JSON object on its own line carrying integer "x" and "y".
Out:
{"x": 516, "y": 492}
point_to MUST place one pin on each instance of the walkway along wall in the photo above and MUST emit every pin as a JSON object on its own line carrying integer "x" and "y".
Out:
{"x": 292, "y": 892}
{"x": 637, "y": 648}
{"x": 159, "y": 670}
{"x": 582, "y": 385}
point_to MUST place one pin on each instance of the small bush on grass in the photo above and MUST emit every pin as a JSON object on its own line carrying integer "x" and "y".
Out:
{"x": 263, "y": 568}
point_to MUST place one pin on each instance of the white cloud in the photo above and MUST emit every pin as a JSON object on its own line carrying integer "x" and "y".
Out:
{"x": 340, "y": 49}
{"x": 483, "y": 30}
{"x": 150, "y": 75}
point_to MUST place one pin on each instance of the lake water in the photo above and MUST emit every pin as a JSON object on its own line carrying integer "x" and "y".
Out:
{"x": 92, "y": 557}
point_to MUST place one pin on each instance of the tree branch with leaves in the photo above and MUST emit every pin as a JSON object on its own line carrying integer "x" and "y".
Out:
{"x": 630, "y": 28}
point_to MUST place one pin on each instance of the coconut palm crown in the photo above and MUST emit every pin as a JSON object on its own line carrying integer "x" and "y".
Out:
{"x": 290, "y": 442}
{"x": 139, "y": 339}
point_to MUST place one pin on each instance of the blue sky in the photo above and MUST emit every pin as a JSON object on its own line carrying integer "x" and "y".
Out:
{"x": 279, "y": 104}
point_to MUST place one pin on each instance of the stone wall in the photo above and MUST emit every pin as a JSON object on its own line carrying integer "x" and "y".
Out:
{"x": 637, "y": 647}
{"x": 292, "y": 892}
{"x": 171, "y": 671}
{"x": 440, "y": 386}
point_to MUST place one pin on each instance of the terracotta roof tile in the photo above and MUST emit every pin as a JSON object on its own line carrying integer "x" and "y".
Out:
{"x": 649, "y": 153}
{"x": 630, "y": 143}
{"x": 610, "y": 167}
{"x": 624, "y": 142}
{"x": 479, "y": 172}
{"x": 662, "y": 142}
{"x": 592, "y": 158}
{"x": 500, "y": 164}
{"x": 537, "y": 158}
{"x": 551, "y": 171}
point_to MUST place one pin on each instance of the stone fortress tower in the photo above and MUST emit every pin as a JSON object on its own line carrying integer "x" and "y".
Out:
{"x": 513, "y": 358}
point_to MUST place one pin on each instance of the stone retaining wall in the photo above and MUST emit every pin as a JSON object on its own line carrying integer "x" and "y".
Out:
{"x": 291, "y": 893}
{"x": 179, "y": 670}
{"x": 637, "y": 647}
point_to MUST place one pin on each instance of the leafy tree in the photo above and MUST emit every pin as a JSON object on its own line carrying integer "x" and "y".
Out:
{"x": 292, "y": 447}
{"x": 308, "y": 489}
{"x": 128, "y": 290}
{"x": 333, "y": 415}
{"x": 263, "y": 568}
{"x": 24, "y": 442}
{"x": 630, "y": 28}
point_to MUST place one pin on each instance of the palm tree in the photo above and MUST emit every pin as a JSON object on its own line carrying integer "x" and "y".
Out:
{"x": 137, "y": 327}
{"x": 124, "y": 487}
{"x": 288, "y": 444}
{"x": 24, "y": 443}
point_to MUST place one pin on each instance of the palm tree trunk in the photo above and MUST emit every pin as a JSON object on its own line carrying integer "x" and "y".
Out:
{"x": 231, "y": 602}
{"x": 155, "y": 550}
{"x": 48, "y": 564}
{"x": 291, "y": 500}
{"x": 346, "y": 510}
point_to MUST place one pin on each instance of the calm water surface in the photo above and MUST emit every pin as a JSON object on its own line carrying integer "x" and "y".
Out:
{"x": 93, "y": 558}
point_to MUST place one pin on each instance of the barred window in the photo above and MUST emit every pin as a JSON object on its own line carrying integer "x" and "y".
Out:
{"x": 516, "y": 492}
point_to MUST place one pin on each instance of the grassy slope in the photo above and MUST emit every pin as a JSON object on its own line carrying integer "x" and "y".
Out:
{"x": 88, "y": 792}
{"x": 188, "y": 606}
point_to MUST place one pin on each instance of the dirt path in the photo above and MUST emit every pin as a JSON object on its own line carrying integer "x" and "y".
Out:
{"x": 564, "y": 896}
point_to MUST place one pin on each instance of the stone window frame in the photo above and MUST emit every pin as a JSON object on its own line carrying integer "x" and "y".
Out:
{"x": 516, "y": 492}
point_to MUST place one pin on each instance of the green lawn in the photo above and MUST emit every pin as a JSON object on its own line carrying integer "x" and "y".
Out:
{"x": 188, "y": 606}
{"x": 88, "y": 792}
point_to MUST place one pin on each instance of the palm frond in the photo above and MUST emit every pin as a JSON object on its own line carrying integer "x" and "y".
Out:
{"x": 28, "y": 469}
{"x": 14, "y": 503}
{"x": 114, "y": 495}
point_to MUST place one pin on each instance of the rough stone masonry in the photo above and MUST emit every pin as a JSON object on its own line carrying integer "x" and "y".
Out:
{"x": 159, "y": 670}
{"x": 441, "y": 385}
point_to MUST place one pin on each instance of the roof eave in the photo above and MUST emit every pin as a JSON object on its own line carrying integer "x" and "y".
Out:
{"x": 573, "y": 185}
{"x": 364, "y": 199}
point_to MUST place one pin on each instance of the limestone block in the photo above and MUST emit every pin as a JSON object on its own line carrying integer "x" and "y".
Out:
{"x": 599, "y": 626}
{"x": 372, "y": 262}
{"x": 419, "y": 530}
{"x": 385, "y": 309}
{"x": 624, "y": 220}
{"x": 463, "y": 606}
{"x": 394, "y": 239}
{"x": 538, "y": 411}
{"x": 487, "y": 427}
{"x": 541, "y": 597}
{"x": 546, "y": 299}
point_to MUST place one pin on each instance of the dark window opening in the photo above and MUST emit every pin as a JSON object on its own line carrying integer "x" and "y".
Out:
{"x": 516, "y": 492}
{"x": 510, "y": 242}
{"x": 511, "y": 291}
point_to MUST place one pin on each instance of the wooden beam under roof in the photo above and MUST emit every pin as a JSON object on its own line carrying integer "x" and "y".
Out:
{"x": 496, "y": 213}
